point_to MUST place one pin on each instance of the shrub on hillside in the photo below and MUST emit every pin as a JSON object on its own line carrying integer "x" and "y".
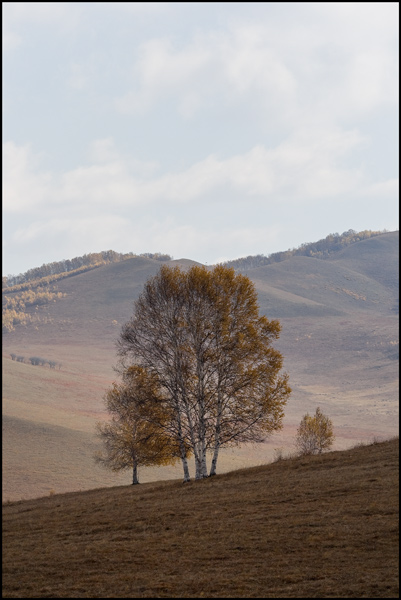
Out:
{"x": 314, "y": 434}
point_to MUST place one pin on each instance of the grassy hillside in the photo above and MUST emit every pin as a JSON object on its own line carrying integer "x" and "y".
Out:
{"x": 314, "y": 527}
{"x": 375, "y": 258}
{"x": 339, "y": 340}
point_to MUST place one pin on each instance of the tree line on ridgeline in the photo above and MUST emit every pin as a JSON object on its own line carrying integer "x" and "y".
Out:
{"x": 76, "y": 265}
{"x": 323, "y": 248}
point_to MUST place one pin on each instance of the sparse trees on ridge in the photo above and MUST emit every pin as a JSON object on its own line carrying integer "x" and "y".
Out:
{"x": 57, "y": 270}
{"x": 314, "y": 434}
{"x": 198, "y": 336}
{"x": 323, "y": 248}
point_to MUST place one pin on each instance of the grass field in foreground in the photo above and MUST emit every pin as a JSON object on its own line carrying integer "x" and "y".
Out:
{"x": 307, "y": 527}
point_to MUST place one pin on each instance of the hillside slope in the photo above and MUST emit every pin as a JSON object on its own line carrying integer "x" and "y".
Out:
{"x": 377, "y": 258}
{"x": 317, "y": 527}
{"x": 339, "y": 339}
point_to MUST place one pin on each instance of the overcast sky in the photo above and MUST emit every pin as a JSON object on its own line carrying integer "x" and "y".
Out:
{"x": 207, "y": 131}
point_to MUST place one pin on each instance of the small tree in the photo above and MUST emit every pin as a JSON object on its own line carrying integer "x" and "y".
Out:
{"x": 314, "y": 434}
{"x": 132, "y": 438}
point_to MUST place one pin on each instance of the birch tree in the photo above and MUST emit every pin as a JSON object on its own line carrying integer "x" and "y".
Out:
{"x": 199, "y": 334}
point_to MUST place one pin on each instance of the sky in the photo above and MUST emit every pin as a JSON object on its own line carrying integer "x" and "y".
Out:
{"x": 208, "y": 131}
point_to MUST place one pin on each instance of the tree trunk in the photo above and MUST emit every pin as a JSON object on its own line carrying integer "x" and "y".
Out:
{"x": 204, "y": 466}
{"x": 216, "y": 441}
{"x": 135, "y": 479}
{"x": 185, "y": 467}
{"x": 198, "y": 462}
{"x": 182, "y": 448}
{"x": 214, "y": 459}
{"x": 202, "y": 448}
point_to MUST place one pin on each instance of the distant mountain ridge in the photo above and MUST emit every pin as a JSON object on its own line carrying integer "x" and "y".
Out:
{"x": 323, "y": 248}
{"x": 21, "y": 293}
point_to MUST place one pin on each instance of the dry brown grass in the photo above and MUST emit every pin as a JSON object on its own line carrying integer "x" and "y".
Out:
{"x": 315, "y": 527}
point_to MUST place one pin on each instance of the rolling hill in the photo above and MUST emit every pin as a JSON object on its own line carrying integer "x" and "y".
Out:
{"x": 309, "y": 527}
{"x": 339, "y": 318}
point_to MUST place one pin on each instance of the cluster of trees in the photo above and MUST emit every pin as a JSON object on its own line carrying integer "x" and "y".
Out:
{"x": 44, "y": 281}
{"x": 156, "y": 256}
{"x": 320, "y": 249}
{"x": 76, "y": 265}
{"x": 13, "y": 309}
{"x": 30, "y": 298}
{"x": 37, "y": 360}
{"x": 17, "y": 358}
{"x": 11, "y": 318}
{"x": 199, "y": 372}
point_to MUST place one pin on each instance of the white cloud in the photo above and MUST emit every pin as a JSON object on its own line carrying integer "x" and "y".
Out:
{"x": 162, "y": 70}
{"x": 211, "y": 68}
{"x": 382, "y": 189}
{"x": 142, "y": 7}
{"x": 11, "y": 40}
{"x": 41, "y": 12}
{"x": 324, "y": 70}
{"x": 105, "y": 151}
{"x": 305, "y": 167}
{"x": 93, "y": 232}
{"x": 25, "y": 186}
{"x": 199, "y": 241}
{"x": 78, "y": 77}
{"x": 362, "y": 18}
{"x": 18, "y": 15}
{"x": 99, "y": 185}
{"x": 370, "y": 80}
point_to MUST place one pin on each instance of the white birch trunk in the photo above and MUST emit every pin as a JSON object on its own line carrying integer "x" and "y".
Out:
{"x": 214, "y": 459}
{"x": 204, "y": 465}
{"x": 182, "y": 448}
{"x": 216, "y": 439}
{"x": 198, "y": 461}
{"x": 185, "y": 467}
